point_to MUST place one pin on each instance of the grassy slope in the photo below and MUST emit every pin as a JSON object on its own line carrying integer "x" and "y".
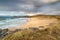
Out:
{"x": 52, "y": 33}
{"x": 35, "y": 35}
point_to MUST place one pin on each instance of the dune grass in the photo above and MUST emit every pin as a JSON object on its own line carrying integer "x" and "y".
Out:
{"x": 28, "y": 34}
{"x": 51, "y": 33}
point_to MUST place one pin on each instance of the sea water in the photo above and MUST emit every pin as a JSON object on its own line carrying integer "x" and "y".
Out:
{"x": 16, "y": 22}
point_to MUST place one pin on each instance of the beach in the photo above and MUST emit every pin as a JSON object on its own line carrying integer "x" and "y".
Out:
{"x": 17, "y": 22}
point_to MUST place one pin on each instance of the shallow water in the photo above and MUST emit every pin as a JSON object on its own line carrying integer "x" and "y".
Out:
{"x": 13, "y": 22}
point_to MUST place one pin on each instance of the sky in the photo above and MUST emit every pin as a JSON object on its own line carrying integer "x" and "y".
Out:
{"x": 29, "y": 7}
{"x": 17, "y": 7}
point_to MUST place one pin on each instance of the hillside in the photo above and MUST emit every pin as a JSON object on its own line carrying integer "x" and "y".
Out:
{"x": 50, "y": 33}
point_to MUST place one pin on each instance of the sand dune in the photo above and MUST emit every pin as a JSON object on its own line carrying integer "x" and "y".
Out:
{"x": 40, "y": 21}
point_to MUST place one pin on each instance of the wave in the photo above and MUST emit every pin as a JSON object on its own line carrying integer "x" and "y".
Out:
{"x": 13, "y": 22}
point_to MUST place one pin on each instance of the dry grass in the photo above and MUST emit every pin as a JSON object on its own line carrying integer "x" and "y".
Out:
{"x": 51, "y": 33}
{"x": 46, "y": 34}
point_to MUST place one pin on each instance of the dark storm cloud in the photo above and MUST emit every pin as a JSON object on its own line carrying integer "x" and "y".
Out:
{"x": 8, "y": 4}
{"x": 15, "y": 5}
{"x": 29, "y": 6}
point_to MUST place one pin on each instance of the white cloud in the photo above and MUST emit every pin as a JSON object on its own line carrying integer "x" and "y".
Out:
{"x": 48, "y": 1}
{"x": 28, "y": 6}
{"x": 12, "y": 13}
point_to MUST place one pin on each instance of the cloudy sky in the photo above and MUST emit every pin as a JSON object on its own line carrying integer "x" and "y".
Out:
{"x": 9, "y": 7}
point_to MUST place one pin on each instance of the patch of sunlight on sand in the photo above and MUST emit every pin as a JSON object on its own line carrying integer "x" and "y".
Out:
{"x": 36, "y": 22}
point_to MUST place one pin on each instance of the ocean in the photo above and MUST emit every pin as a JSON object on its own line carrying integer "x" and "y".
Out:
{"x": 15, "y": 22}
